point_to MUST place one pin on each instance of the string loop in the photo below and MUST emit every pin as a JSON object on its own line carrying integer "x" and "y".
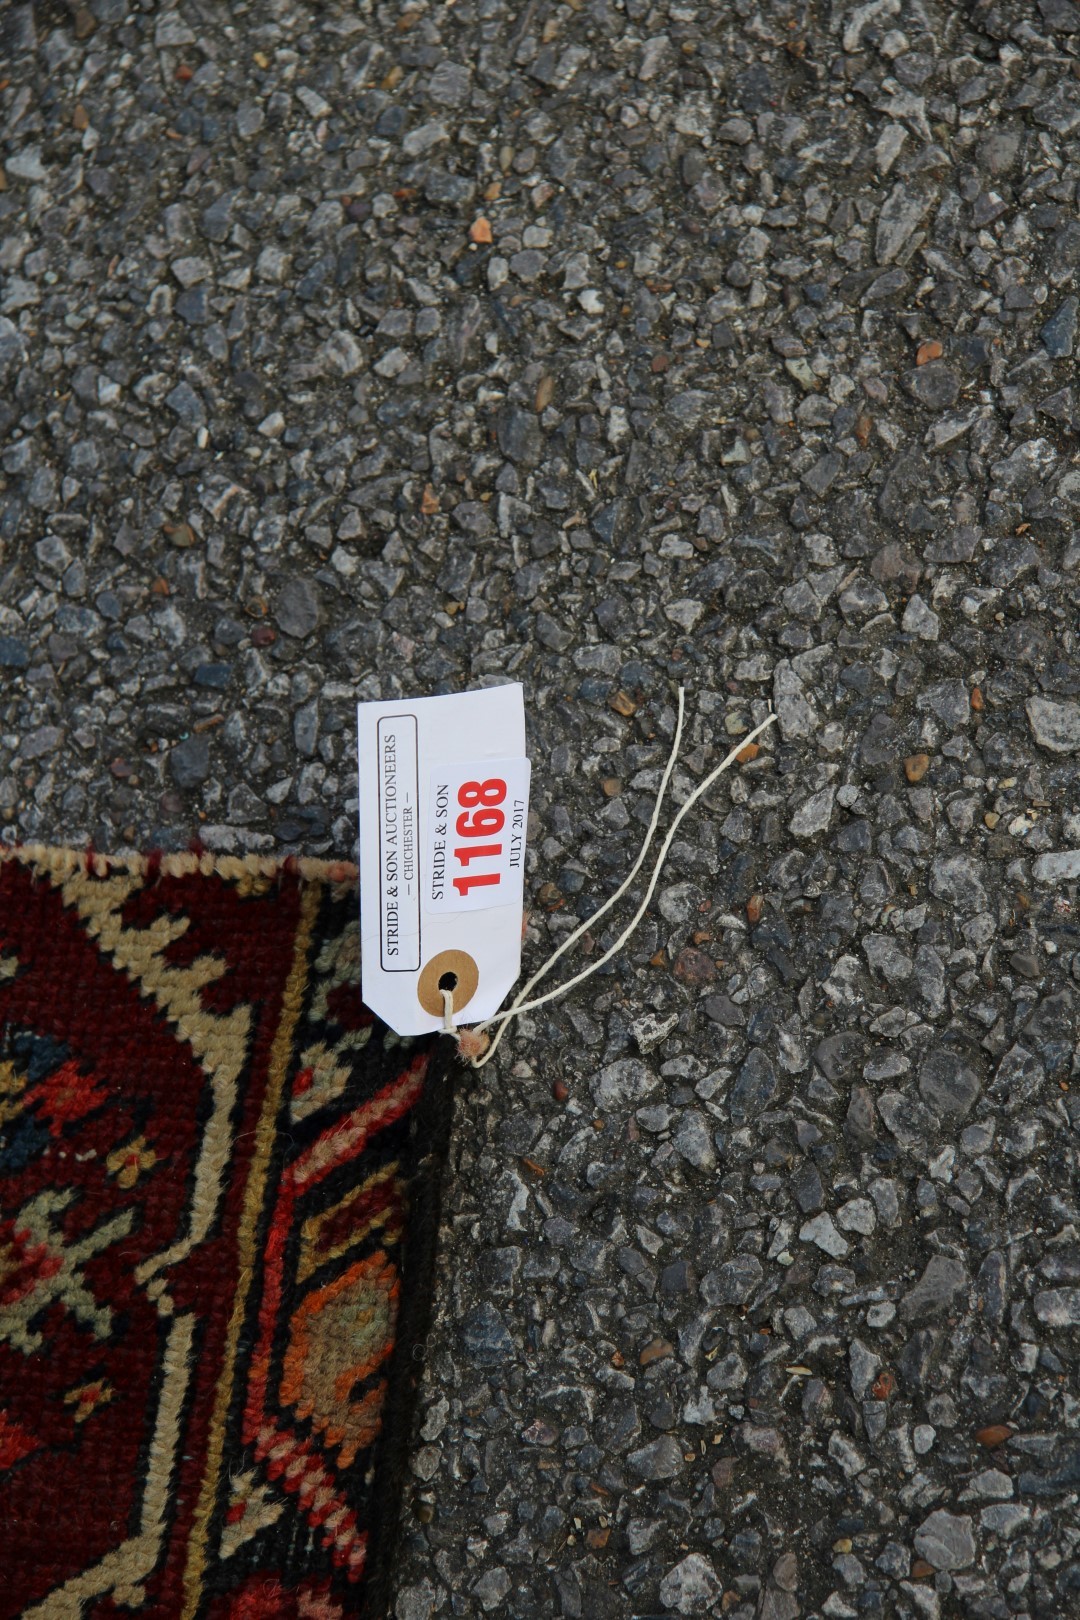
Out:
{"x": 469, "y": 1040}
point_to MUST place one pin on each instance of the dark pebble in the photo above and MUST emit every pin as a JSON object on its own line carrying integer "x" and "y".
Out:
{"x": 13, "y": 654}
{"x": 214, "y": 676}
{"x": 296, "y": 607}
{"x": 485, "y": 1340}
{"x": 189, "y": 762}
{"x": 1059, "y": 334}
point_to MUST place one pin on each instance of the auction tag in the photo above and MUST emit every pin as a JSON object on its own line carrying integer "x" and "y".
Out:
{"x": 444, "y": 802}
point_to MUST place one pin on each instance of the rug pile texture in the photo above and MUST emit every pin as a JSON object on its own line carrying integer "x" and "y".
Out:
{"x": 218, "y": 1205}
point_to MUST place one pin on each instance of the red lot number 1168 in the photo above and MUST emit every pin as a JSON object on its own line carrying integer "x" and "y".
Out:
{"x": 480, "y": 817}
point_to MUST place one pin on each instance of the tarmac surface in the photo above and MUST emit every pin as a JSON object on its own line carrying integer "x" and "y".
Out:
{"x": 356, "y": 350}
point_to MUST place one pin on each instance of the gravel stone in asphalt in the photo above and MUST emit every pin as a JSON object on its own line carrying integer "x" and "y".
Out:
{"x": 356, "y": 350}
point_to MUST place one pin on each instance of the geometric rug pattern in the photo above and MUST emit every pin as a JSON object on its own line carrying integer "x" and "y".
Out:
{"x": 218, "y": 1205}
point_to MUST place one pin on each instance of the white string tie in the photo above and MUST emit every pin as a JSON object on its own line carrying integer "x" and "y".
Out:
{"x": 473, "y": 1043}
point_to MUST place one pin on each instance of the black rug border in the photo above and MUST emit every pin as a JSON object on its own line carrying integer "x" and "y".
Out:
{"x": 431, "y": 1121}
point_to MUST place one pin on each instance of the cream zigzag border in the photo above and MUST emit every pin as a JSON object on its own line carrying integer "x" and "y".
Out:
{"x": 62, "y": 862}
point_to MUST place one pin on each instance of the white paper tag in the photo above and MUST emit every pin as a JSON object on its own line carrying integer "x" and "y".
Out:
{"x": 444, "y": 803}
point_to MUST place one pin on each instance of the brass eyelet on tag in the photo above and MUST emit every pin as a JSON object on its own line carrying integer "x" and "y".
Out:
{"x": 450, "y": 970}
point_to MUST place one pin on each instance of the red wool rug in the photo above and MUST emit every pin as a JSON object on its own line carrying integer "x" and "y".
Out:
{"x": 218, "y": 1204}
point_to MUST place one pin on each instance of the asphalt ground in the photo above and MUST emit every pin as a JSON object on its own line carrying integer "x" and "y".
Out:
{"x": 349, "y": 351}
